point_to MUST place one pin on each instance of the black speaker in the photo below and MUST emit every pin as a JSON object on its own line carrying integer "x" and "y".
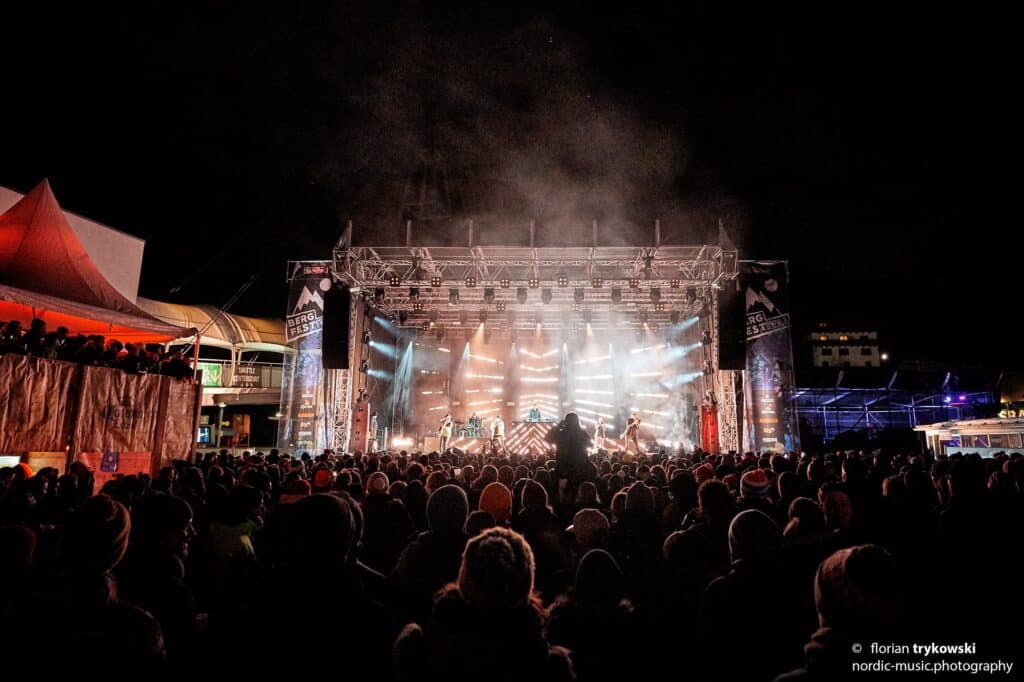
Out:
{"x": 732, "y": 327}
{"x": 337, "y": 304}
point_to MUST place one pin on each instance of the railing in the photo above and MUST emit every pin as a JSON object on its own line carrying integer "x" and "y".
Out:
{"x": 255, "y": 375}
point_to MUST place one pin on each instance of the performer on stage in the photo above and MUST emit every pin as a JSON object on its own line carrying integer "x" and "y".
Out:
{"x": 476, "y": 426}
{"x": 600, "y": 431}
{"x": 534, "y": 414}
{"x": 632, "y": 433}
{"x": 445, "y": 432}
{"x": 497, "y": 433}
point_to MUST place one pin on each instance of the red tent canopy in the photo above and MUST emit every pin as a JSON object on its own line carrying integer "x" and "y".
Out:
{"x": 46, "y": 272}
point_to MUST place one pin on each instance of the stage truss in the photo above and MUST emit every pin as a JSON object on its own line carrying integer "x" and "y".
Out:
{"x": 439, "y": 290}
{"x": 449, "y": 288}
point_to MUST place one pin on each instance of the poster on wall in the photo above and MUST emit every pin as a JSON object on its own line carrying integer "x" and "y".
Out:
{"x": 302, "y": 390}
{"x": 770, "y": 419}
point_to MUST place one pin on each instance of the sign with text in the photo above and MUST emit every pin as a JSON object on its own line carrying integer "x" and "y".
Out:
{"x": 770, "y": 420}
{"x": 247, "y": 376}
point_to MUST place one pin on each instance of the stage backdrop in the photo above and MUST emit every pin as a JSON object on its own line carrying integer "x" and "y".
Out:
{"x": 770, "y": 420}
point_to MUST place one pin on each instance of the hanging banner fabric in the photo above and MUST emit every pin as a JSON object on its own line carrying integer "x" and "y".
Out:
{"x": 37, "y": 403}
{"x": 302, "y": 385}
{"x": 770, "y": 419}
{"x": 118, "y": 411}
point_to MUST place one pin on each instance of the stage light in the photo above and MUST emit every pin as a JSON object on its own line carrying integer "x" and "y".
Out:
{"x": 616, "y": 295}
{"x": 363, "y": 396}
{"x": 705, "y": 338}
{"x": 545, "y": 295}
{"x": 576, "y": 306}
{"x": 691, "y": 295}
{"x": 563, "y": 279}
{"x": 483, "y": 316}
{"x": 634, "y": 283}
{"x": 366, "y": 337}
{"x": 470, "y": 281}
{"x": 674, "y": 316}
{"x": 504, "y": 283}
{"x": 534, "y": 282}
{"x": 659, "y": 306}
{"x": 417, "y": 306}
{"x": 655, "y": 294}
{"x": 597, "y": 282}
{"x": 426, "y": 326}
{"x": 488, "y": 294}
{"x": 521, "y": 294}
{"x": 453, "y": 296}
{"x": 885, "y": 357}
{"x": 577, "y": 294}
{"x": 674, "y": 283}
{"x": 403, "y": 317}
{"x": 395, "y": 280}
{"x": 364, "y": 366}
{"x": 500, "y": 307}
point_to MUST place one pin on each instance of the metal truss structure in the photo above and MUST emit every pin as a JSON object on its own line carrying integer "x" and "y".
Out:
{"x": 443, "y": 288}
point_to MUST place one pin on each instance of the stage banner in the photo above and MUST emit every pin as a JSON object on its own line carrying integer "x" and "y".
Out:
{"x": 302, "y": 386}
{"x": 38, "y": 404}
{"x": 770, "y": 419}
{"x": 117, "y": 411}
{"x": 112, "y": 463}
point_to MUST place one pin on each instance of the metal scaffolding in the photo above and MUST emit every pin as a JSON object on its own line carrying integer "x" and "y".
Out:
{"x": 517, "y": 287}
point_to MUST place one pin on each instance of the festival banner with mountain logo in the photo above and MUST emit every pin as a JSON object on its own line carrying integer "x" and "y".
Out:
{"x": 302, "y": 395}
{"x": 770, "y": 419}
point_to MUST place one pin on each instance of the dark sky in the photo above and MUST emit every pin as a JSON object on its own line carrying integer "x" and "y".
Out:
{"x": 867, "y": 145}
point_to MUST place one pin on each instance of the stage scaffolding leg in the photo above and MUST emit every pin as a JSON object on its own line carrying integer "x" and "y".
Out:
{"x": 343, "y": 381}
{"x": 728, "y": 426}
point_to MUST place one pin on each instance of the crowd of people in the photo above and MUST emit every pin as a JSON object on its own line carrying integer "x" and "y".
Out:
{"x": 452, "y": 566}
{"x": 134, "y": 358}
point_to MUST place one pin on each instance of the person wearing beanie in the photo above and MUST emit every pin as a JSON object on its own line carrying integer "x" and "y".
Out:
{"x": 539, "y": 525}
{"x": 857, "y": 599}
{"x": 590, "y": 530}
{"x": 704, "y": 472}
{"x": 757, "y": 593}
{"x": 432, "y": 559}
{"x": 315, "y": 545}
{"x": 478, "y": 522}
{"x": 635, "y": 542}
{"x": 152, "y": 574}
{"x": 489, "y": 615}
{"x": 387, "y": 525}
{"x": 755, "y": 490}
{"x": 595, "y": 620}
{"x": 295, "y": 491}
{"x": 496, "y": 499}
{"x": 80, "y": 606}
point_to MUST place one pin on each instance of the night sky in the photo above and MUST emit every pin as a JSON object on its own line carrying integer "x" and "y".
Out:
{"x": 866, "y": 145}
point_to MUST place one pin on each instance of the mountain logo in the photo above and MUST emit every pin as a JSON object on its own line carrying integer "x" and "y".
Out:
{"x": 305, "y": 298}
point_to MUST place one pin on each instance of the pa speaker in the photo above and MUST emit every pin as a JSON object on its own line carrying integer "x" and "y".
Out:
{"x": 732, "y": 328}
{"x": 337, "y": 303}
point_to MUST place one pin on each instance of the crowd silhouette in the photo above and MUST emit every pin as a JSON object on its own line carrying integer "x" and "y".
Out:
{"x": 456, "y": 566}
